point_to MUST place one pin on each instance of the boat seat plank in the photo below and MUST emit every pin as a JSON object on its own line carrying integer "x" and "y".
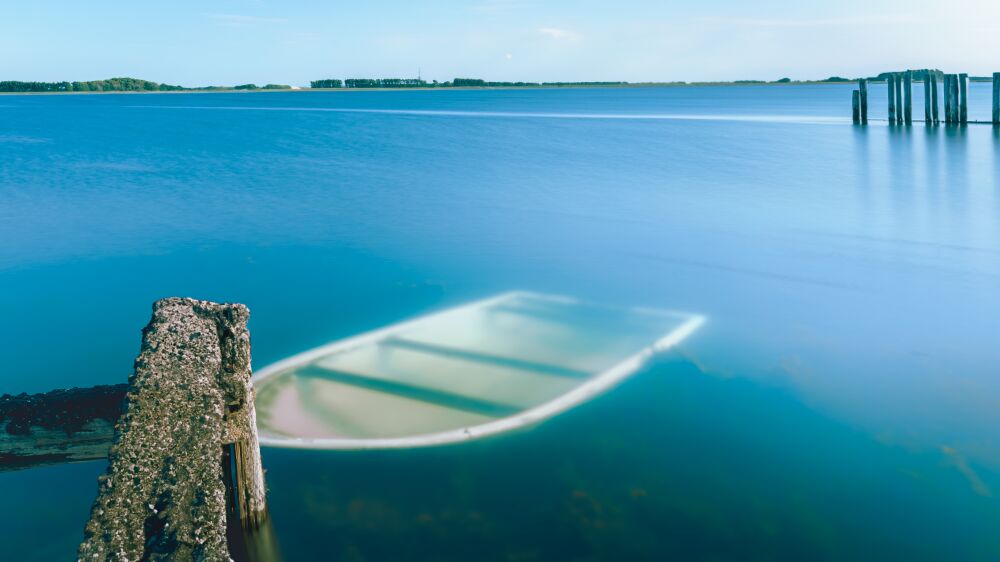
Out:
{"x": 517, "y": 388}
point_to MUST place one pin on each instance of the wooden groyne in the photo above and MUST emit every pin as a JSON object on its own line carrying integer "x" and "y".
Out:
{"x": 59, "y": 426}
{"x": 187, "y": 429}
{"x": 899, "y": 90}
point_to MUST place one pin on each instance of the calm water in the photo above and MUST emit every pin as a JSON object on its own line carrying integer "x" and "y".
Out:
{"x": 842, "y": 403}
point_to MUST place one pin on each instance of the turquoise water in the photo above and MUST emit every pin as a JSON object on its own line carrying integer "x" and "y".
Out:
{"x": 842, "y": 403}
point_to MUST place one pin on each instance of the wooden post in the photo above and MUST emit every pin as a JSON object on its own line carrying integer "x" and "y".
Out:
{"x": 963, "y": 98}
{"x": 928, "y": 84}
{"x": 59, "y": 426}
{"x": 949, "y": 98}
{"x": 856, "y": 106}
{"x": 899, "y": 98}
{"x": 934, "y": 98}
{"x": 863, "y": 91}
{"x": 908, "y": 97}
{"x": 189, "y": 410}
{"x": 890, "y": 83}
{"x": 996, "y": 99}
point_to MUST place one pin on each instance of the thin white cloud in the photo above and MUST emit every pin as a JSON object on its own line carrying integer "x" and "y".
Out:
{"x": 873, "y": 19}
{"x": 557, "y": 33}
{"x": 235, "y": 20}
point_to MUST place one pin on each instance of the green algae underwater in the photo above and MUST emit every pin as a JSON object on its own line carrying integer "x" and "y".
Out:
{"x": 675, "y": 464}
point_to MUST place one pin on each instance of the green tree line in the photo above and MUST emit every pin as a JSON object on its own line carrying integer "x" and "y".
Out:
{"x": 110, "y": 85}
{"x": 456, "y": 83}
{"x": 117, "y": 85}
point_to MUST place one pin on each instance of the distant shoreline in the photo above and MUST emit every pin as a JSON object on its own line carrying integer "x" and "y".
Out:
{"x": 638, "y": 85}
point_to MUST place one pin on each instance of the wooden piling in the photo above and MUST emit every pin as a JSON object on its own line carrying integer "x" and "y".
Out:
{"x": 899, "y": 98}
{"x": 856, "y": 106}
{"x": 963, "y": 98}
{"x": 928, "y": 114}
{"x": 890, "y": 83}
{"x": 189, "y": 411}
{"x": 950, "y": 93}
{"x": 908, "y": 97}
{"x": 996, "y": 98}
{"x": 59, "y": 426}
{"x": 863, "y": 92}
{"x": 934, "y": 99}
{"x": 946, "y": 89}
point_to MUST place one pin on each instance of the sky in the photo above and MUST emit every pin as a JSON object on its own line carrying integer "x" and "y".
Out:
{"x": 226, "y": 42}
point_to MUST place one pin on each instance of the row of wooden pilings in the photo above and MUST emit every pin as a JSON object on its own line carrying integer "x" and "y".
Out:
{"x": 900, "y": 98}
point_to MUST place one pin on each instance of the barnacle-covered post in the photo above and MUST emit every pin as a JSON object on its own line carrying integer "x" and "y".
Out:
{"x": 189, "y": 410}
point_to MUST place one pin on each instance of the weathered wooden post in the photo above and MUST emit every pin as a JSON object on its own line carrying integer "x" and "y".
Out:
{"x": 863, "y": 91}
{"x": 934, "y": 98}
{"x": 890, "y": 83}
{"x": 856, "y": 106}
{"x": 189, "y": 410}
{"x": 996, "y": 99}
{"x": 928, "y": 114}
{"x": 944, "y": 89}
{"x": 963, "y": 98}
{"x": 908, "y": 97}
{"x": 899, "y": 98}
{"x": 950, "y": 93}
{"x": 59, "y": 426}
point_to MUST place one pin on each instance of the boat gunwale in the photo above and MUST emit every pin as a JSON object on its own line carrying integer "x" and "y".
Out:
{"x": 599, "y": 383}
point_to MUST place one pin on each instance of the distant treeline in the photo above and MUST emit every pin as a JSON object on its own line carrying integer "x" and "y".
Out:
{"x": 110, "y": 85}
{"x": 253, "y": 87}
{"x": 922, "y": 74}
{"x": 456, "y": 83}
{"x": 371, "y": 83}
{"x": 117, "y": 85}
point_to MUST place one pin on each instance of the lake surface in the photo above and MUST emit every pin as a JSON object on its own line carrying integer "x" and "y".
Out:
{"x": 841, "y": 403}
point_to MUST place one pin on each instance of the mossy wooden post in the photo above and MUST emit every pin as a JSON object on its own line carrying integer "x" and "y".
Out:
{"x": 856, "y": 107}
{"x": 963, "y": 98}
{"x": 863, "y": 94}
{"x": 890, "y": 83}
{"x": 908, "y": 97}
{"x": 189, "y": 408}
{"x": 996, "y": 99}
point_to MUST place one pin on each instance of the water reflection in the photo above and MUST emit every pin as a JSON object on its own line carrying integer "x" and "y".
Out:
{"x": 902, "y": 179}
{"x": 956, "y": 167}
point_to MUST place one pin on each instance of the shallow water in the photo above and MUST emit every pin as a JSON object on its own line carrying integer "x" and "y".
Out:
{"x": 841, "y": 403}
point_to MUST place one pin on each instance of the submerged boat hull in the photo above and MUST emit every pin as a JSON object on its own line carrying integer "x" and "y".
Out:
{"x": 482, "y": 369}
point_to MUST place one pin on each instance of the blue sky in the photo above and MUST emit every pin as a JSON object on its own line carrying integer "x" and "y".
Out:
{"x": 204, "y": 42}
